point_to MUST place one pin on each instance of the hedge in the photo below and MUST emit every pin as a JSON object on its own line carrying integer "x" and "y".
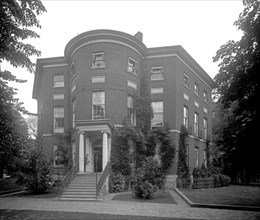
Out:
{"x": 218, "y": 180}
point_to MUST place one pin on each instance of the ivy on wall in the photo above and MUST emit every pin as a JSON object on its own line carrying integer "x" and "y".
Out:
{"x": 182, "y": 167}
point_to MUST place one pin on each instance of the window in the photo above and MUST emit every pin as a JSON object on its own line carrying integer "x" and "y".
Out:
{"x": 132, "y": 84}
{"x": 186, "y": 81}
{"x": 186, "y": 116}
{"x": 98, "y": 105}
{"x": 196, "y": 124}
{"x": 131, "y": 68}
{"x": 98, "y": 60}
{"x": 58, "y": 96}
{"x": 196, "y": 104}
{"x": 98, "y": 79}
{"x": 73, "y": 113}
{"x": 156, "y": 90}
{"x": 205, "y": 96}
{"x": 130, "y": 110}
{"x": 205, "y": 128}
{"x": 196, "y": 157}
{"x": 157, "y": 120}
{"x": 58, "y": 81}
{"x": 185, "y": 96}
{"x": 58, "y": 119}
{"x": 156, "y": 73}
{"x": 196, "y": 89}
{"x": 58, "y": 156}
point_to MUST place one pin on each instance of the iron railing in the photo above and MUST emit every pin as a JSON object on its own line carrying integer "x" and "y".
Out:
{"x": 67, "y": 179}
{"x": 102, "y": 180}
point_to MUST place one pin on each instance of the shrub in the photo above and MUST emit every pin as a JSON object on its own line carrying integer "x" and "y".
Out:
{"x": 148, "y": 179}
{"x": 35, "y": 173}
{"x": 116, "y": 183}
{"x": 183, "y": 182}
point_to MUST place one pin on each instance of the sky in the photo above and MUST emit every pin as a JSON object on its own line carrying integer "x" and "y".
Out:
{"x": 201, "y": 27}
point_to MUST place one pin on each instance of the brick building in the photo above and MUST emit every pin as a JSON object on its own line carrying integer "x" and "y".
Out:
{"x": 90, "y": 89}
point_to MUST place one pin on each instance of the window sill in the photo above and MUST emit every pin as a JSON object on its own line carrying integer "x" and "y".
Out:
{"x": 98, "y": 67}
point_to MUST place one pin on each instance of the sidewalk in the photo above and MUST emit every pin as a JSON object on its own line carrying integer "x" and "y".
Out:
{"x": 107, "y": 206}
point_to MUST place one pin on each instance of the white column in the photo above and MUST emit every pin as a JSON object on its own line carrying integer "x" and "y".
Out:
{"x": 104, "y": 150}
{"x": 109, "y": 148}
{"x": 81, "y": 152}
{"x": 87, "y": 155}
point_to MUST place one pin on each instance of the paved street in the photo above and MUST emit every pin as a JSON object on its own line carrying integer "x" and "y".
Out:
{"x": 108, "y": 206}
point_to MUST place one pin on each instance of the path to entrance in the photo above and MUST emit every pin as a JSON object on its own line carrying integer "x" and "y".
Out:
{"x": 107, "y": 206}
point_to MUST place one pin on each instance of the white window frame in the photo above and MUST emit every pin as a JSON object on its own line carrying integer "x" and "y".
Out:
{"x": 196, "y": 124}
{"x": 156, "y": 113}
{"x": 186, "y": 116}
{"x": 157, "y": 90}
{"x": 58, "y": 81}
{"x": 131, "y": 117}
{"x": 186, "y": 81}
{"x": 132, "y": 84}
{"x": 131, "y": 66}
{"x": 205, "y": 128}
{"x": 196, "y": 156}
{"x": 98, "y": 63}
{"x": 98, "y": 107}
{"x": 58, "y": 96}
{"x": 196, "y": 89}
{"x": 98, "y": 79}
{"x": 58, "y": 115}
{"x": 157, "y": 73}
{"x": 205, "y": 96}
{"x": 57, "y": 153}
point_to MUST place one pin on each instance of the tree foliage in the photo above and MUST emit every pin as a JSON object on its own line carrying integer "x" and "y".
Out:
{"x": 16, "y": 19}
{"x": 238, "y": 89}
{"x": 34, "y": 173}
{"x": 182, "y": 166}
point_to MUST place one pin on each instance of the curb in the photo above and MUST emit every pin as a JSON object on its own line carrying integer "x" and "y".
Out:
{"x": 11, "y": 192}
{"x": 216, "y": 206}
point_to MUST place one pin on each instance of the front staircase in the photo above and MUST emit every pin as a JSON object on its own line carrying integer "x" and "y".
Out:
{"x": 83, "y": 187}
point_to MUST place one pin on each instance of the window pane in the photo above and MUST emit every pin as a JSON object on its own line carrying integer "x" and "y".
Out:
{"x": 59, "y": 81}
{"x": 98, "y": 98}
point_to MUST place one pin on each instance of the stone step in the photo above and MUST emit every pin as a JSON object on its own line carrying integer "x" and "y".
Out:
{"x": 78, "y": 196}
{"x": 80, "y": 190}
{"x": 80, "y": 193}
{"x": 77, "y": 199}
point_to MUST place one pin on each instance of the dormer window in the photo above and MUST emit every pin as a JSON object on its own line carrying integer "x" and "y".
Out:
{"x": 98, "y": 60}
{"x": 131, "y": 68}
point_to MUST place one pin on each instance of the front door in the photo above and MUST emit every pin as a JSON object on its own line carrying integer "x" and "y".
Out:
{"x": 97, "y": 159}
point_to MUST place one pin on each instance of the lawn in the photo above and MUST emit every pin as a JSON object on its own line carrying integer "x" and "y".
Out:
{"x": 31, "y": 215}
{"x": 159, "y": 197}
{"x": 230, "y": 195}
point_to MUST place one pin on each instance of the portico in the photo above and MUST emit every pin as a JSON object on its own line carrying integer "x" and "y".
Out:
{"x": 94, "y": 145}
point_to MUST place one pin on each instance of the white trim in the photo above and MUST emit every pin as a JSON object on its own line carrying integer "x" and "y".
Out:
{"x": 175, "y": 55}
{"x": 104, "y": 41}
{"x": 55, "y": 65}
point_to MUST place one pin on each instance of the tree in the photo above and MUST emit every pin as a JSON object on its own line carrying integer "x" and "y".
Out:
{"x": 16, "y": 17}
{"x": 32, "y": 125}
{"x": 238, "y": 89}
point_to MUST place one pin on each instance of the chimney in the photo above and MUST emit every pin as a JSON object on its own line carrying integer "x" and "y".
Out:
{"x": 139, "y": 36}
